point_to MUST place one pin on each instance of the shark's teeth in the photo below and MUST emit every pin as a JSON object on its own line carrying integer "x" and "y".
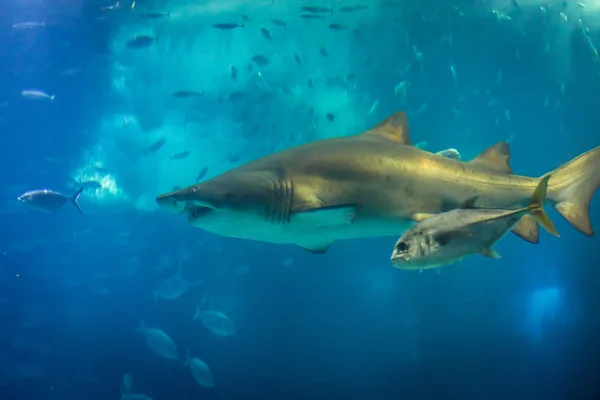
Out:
{"x": 195, "y": 212}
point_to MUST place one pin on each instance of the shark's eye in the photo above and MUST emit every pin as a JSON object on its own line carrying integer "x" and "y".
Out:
{"x": 402, "y": 247}
{"x": 193, "y": 190}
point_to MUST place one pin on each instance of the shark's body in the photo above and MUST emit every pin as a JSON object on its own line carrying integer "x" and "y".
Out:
{"x": 373, "y": 184}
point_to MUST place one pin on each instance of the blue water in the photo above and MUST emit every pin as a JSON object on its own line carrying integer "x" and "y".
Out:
{"x": 344, "y": 324}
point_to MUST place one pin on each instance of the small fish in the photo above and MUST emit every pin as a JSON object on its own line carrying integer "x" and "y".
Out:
{"x": 216, "y": 322}
{"x": 155, "y": 146}
{"x": 141, "y": 42}
{"x": 449, "y": 153}
{"x": 234, "y": 72}
{"x": 159, "y": 341}
{"x": 310, "y": 83}
{"x": 374, "y": 107}
{"x": 201, "y": 174}
{"x": 35, "y": 94}
{"x": 186, "y": 94}
{"x": 228, "y": 26}
{"x": 174, "y": 287}
{"x": 155, "y": 15}
{"x": 323, "y": 51}
{"x": 200, "y": 371}
{"x": 29, "y": 25}
{"x": 266, "y": 34}
{"x": 337, "y": 26}
{"x": 245, "y": 17}
{"x": 493, "y": 102}
{"x": 446, "y": 238}
{"x": 330, "y": 117}
{"x": 311, "y": 16}
{"x": 237, "y": 96}
{"x": 354, "y": 8}
{"x": 297, "y": 58}
{"x": 316, "y": 9}
{"x": 453, "y": 73}
{"x": 180, "y": 156}
{"x": 278, "y": 22}
{"x": 261, "y": 60}
{"x": 49, "y": 200}
{"x": 112, "y": 7}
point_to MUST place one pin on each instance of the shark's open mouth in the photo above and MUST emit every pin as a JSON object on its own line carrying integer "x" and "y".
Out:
{"x": 195, "y": 212}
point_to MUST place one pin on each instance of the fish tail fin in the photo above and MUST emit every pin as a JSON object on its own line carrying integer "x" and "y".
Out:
{"x": 52, "y": 97}
{"x": 572, "y": 187}
{"x": 75, "y": 198}
{"x": 243, "y": 26}
{"x": 536, "y": 206}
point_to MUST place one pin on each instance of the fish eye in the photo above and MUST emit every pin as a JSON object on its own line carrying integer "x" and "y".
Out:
{"x": 402, "y": 247}
{"x": 193, "y": 190}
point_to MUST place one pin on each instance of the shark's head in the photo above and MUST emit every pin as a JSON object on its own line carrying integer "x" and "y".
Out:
{"x": 228, "y": 204}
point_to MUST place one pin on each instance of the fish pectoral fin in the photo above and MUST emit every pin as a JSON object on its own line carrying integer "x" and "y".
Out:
{"x": 491, "y": 253}
{"x": 418, "y": 217}
{"x": 328, "y": 216}
{"x": 527, "y": 229}
{"x": 315, "y": 247}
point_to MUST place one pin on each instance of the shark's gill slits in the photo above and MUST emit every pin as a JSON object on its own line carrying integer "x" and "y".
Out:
{"x": 282, "y": 197}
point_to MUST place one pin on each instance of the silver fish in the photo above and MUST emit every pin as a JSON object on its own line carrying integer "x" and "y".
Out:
{"x": 446, "y": 238}
{"x": 49, "y": 200}
{"x": 35, "y": 94}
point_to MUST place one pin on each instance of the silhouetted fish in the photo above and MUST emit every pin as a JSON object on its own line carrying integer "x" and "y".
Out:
{"x": 261, "y": 60}
{"x": 228, "y": 26}
{"x": 141, "y": 42}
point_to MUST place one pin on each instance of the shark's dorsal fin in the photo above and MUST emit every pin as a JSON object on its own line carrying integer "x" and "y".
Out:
{"x": 495, "y": 158}
{"x": 394, "y": 128}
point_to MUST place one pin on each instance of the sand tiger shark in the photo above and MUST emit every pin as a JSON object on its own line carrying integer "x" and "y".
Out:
{"x": 372, "y": 184}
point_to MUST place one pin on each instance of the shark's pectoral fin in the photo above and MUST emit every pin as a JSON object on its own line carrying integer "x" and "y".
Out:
{"x": 315, "y": 247}
{"x": 527, "y": 229}
{"x": 328, "y": 216}
{"x": 491, "y": 253}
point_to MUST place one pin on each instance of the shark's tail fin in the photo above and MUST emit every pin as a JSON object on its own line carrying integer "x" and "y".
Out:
{"x": 536, "y": 205}
{"x": 572, "y": 186}
{"x": 75, "y": 198}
